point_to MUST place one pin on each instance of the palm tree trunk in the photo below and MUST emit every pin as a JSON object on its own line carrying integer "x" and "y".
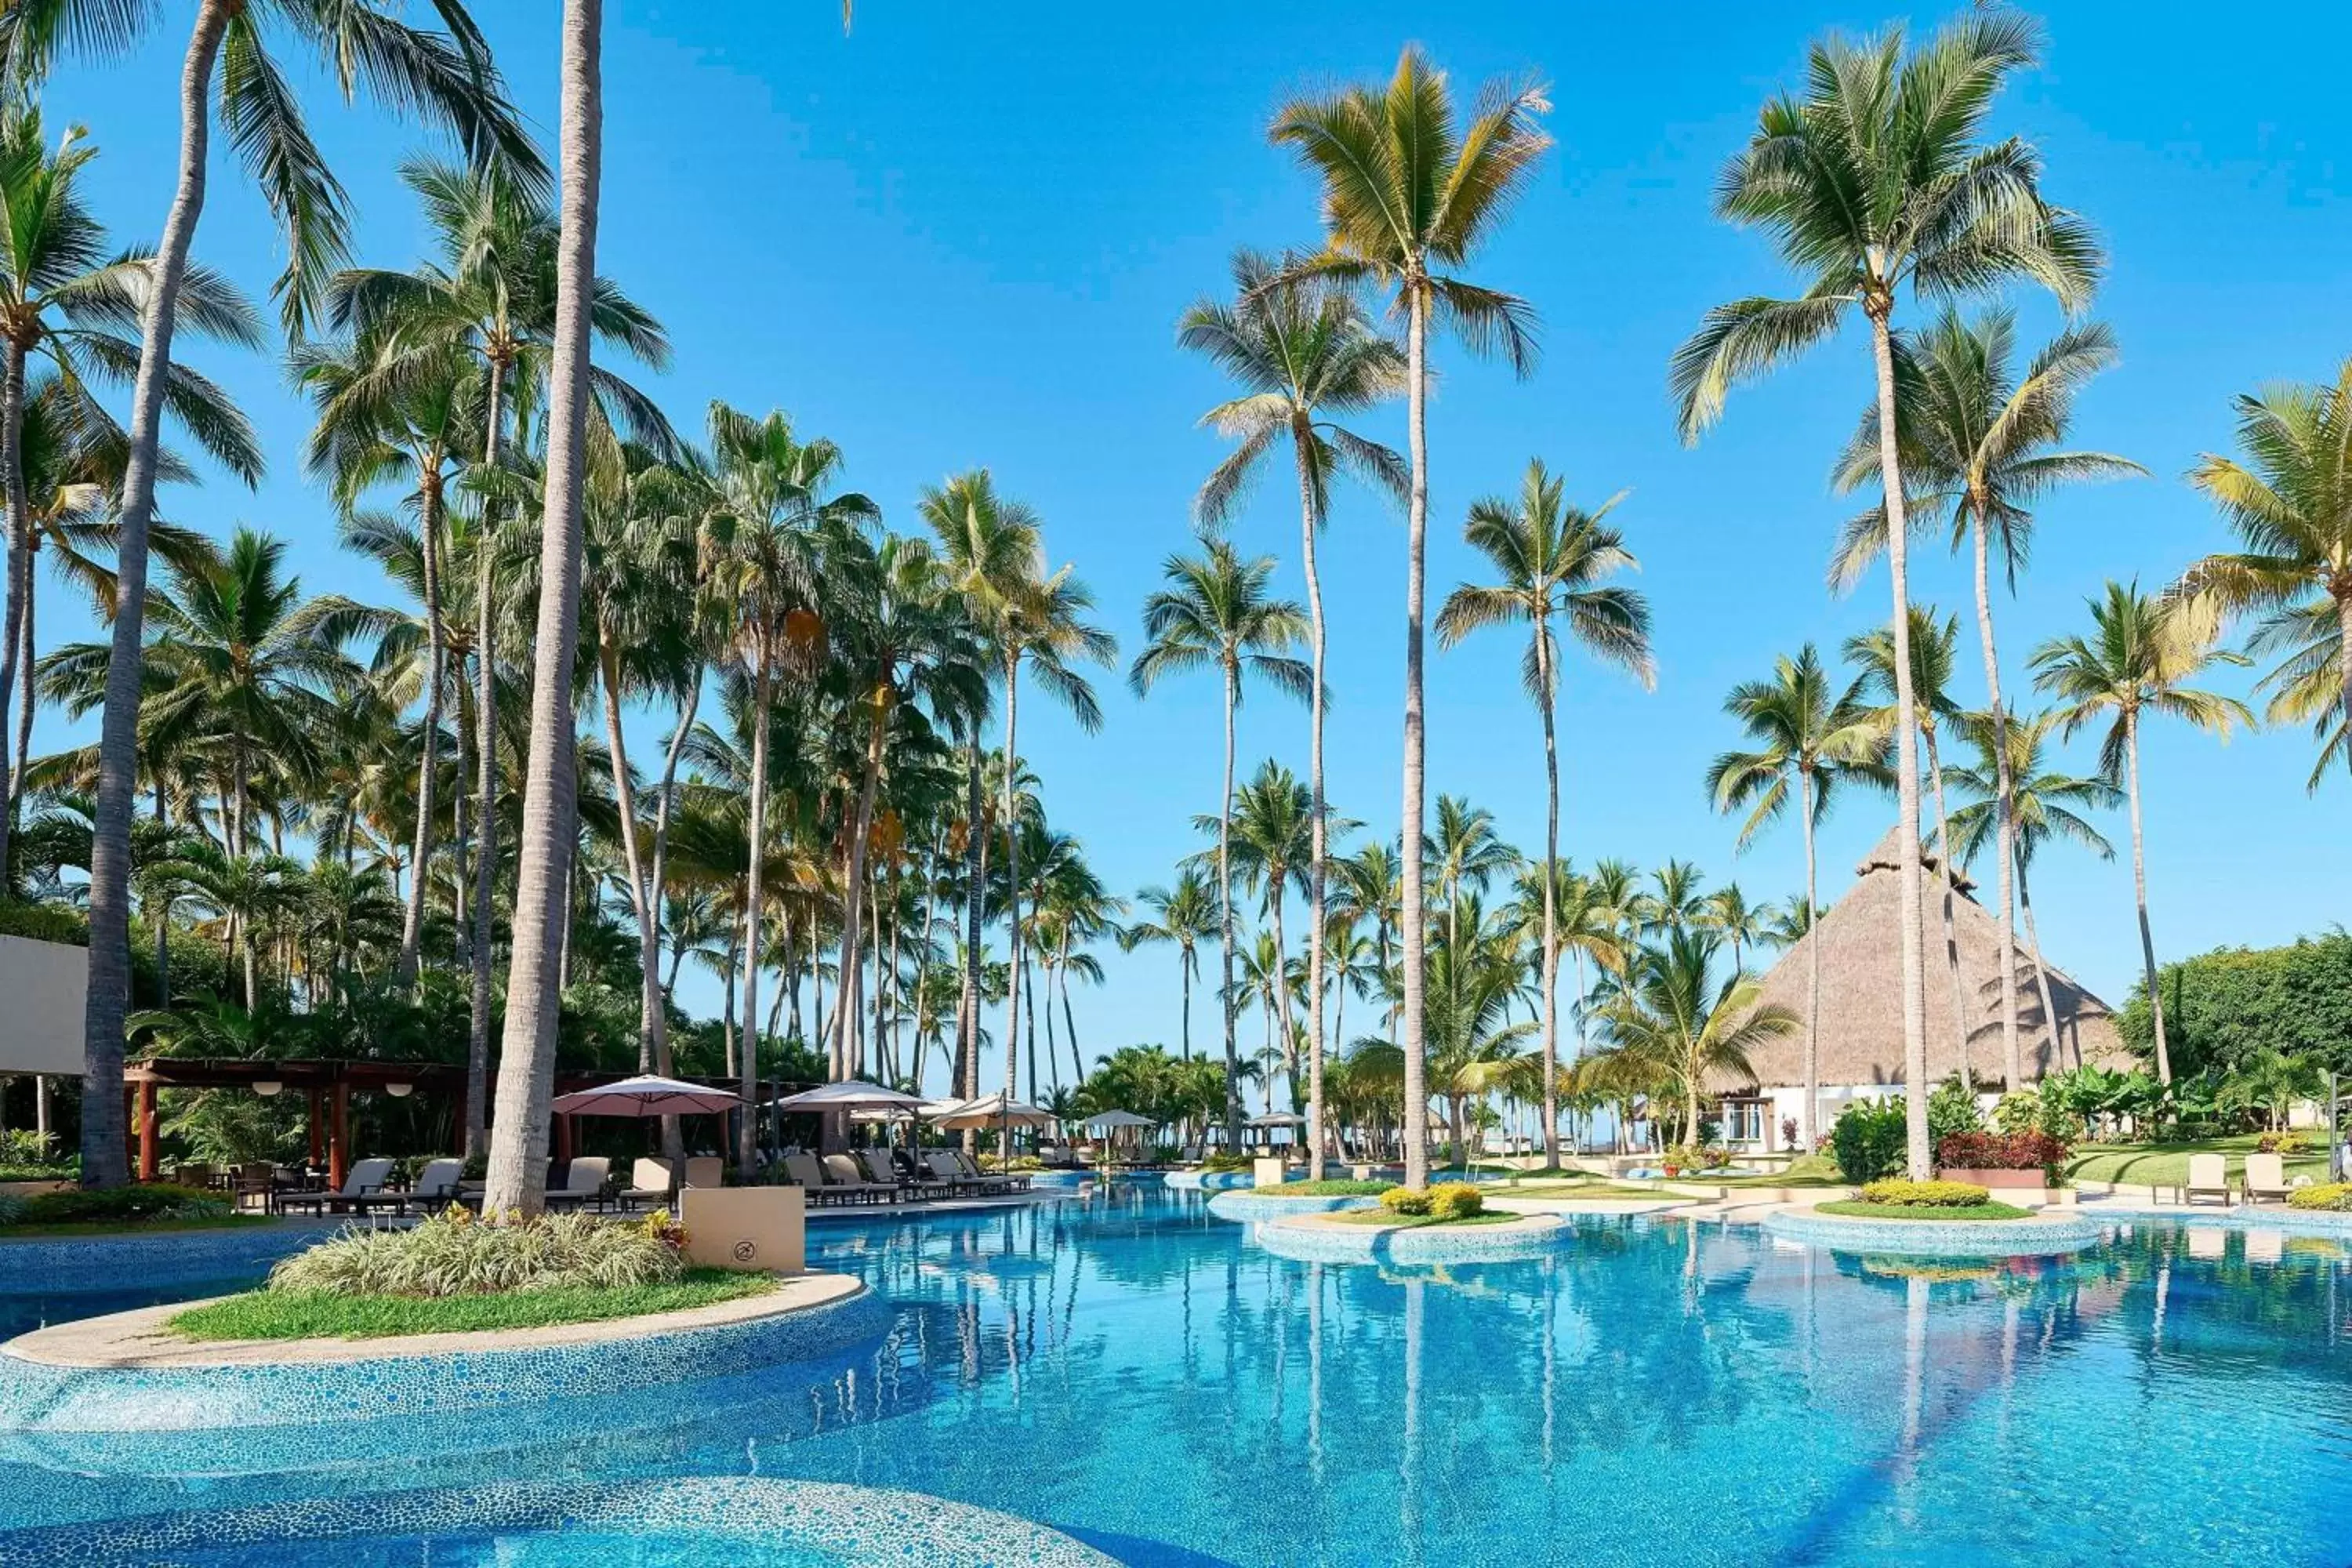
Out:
{"x": 1907, "y": 764}
{"x": 2342, "y": 660}
{"x": 1409, "y": 1033}
{"x": 1280, "y": 981}
{"x": 486, "y": 784}
{"x": 1011, "y": 871}
{"x": 657, "y": 1006}
{"x": 1185, "y": 982}
{"x": 104, "y": 1161}
{"x": 1961, "y": 1019}
{"x": 1029, "y": 992}
{"x": 1551, "y": 902}
{"x": 625, "y": 796}
{"x": 1809, "y": 1122}
{"x": 16, "y": 648}
{"x": 428, "y": 771}
{"x": 747, "y": 1058}
{"x": 1070, "y": 1025}
{"x": 1317, "y": 844}
{"x": 2139, "y": 893}
{"x": 27, "y": 644}
{"x": 2041, "y": 977}
{"x": 518, "y": 1171}
{"x": 1226, "y": 920}
{"x": 854, "y": 880}
{"x": 2012, "y": 1058}
{"x": 975, "y": 873}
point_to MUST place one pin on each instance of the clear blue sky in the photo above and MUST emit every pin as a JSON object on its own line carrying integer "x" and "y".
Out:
{"x": 961, "y": 235}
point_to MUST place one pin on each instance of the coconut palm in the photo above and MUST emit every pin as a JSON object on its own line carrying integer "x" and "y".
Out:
{"x": 2290, "y": 502}
{"x": 1873, "y": 180}
{"x": 1218, "y": 613}
{"x": 1810, "y": 733}
{"x": 1551, "y": 559}
{"x": 1269, "y": 840}
{"x": 1469, "y": 854}
{"x": 1304, "y": 352}
{"x": 2137, "y": 662}
{"x": 2044, "y": 804}
{"x": 1186, "y": 915}
{"x": 1980, "y": 442}
{"x": 1727, "y": 913}
{"x": 1408, "y": 195}
{"x": 1674, "y": 1015}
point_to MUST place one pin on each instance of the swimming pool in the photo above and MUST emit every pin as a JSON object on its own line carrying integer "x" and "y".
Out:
{"x": 1146, "y": 1379}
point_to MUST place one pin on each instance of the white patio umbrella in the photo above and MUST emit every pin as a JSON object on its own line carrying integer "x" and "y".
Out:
{"x": 992, "y": 1110}
{"x": 853, "y": 1095}
{"x": 1112, "y": 1119}
{"x": 646, "y": 1096}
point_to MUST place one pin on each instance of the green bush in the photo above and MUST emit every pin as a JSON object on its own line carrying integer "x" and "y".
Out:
{"x": 11, "y": 1210}
{"x": 154, "y": 1201}
{"x": 2336, "y": 1195}
{"x": 1869, "y": 1138}
{"x": 1952, "y": 1108}
{"x": 458, "y": 1254}
{"x": 1338, "y": 1187}
{"x": 21, "y": 1147}
{"x": 1454, "y": 1200}
{"x": 1900, "y": 1194}
{"x": 1225, "y": 1164}
{"x": 2283, "y": 1143}
{"x": 1407, "y": 1201}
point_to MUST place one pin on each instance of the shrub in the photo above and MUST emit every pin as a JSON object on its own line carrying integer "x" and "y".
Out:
{"x": 23, "y": 1146}
{"x": 1455, "y": 1200}
{"x": 1900, "y": 1194}
{"x": 1406, "y": 1200}
{"x": 152, "y": 1201}
{"x": 456, "y": 1252}
{"x": 2325, "y": 1195}
{"x": 1868, "y": 1139}
{"x": 11, "y": 1210}
{"x": 1952, "y": 1110}
{"x": 2283, "y": 1142}
{"x": 1334, "y": 1187}
{"x": 2026, "y": 1151}
{"x": 1693, "y": 1157}
{"x": 1221, "y": 1163}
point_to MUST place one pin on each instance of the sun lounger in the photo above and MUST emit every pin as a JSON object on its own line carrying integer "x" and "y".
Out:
{"x": 990, "y": 1182}
{"x": 946, "y": 1173}
{"x": 809, "y": 1176}
{"x": 881, "y": 1173}
{"x": 2208, "y": 1178}
{"x": 435, "y": 1185}
{"x": 2266, "y": 1178}
{"x": 706, "y": 1171}
{"x": 364, "y": 1179}
{"x": 650, "y": 1185}
{"x": 844, "y": 1172}
{"x": 584, "y": 1183}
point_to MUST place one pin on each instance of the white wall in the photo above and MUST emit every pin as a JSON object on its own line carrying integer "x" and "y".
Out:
{"x": 42, "y": 984}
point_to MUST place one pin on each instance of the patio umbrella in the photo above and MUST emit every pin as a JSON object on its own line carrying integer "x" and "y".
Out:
{"x": 992, "y": 1110}
{"x": 853, "y": 1095}
{"x": 1275, "y": 1118}
{"x": 1110, "y": 1118}
{"x": 646, "y": 1096}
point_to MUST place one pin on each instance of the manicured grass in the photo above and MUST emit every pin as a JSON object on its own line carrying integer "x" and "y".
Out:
{"x": 1341, "y": 1188}
{"x": 321, "y": 1315}
{"x": 1735, "y": 1183}
{"x": 1416, "y": 1221}
{"x": 1860, "y": 1210}
{"x": 125, "y": 1226}
{"x": 1611, "y": 1190}
{"x": 2166, "y": 1165}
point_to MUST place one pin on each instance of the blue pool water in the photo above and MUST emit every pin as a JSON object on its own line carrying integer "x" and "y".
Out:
{"x": 1129, "y": 1371}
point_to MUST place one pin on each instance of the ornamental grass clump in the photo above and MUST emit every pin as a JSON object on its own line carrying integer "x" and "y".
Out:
{"x": 458, "y": 1254}
{"x": 2325, "y": 1196}
{"x": 1897, "y": 1192}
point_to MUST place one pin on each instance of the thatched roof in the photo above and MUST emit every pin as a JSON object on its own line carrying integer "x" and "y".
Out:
{"x": 1861, "y": 990}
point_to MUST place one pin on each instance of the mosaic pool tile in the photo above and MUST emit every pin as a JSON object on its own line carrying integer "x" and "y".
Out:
{"x": 1309, "y": 1243}
{"x": 2045, "y": 1235}
{"x": 1252, "y": 1205}
{"x": 74, "y": 1265}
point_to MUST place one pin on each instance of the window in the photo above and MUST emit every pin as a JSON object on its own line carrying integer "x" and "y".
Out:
{"x": 1743, "y": 1121}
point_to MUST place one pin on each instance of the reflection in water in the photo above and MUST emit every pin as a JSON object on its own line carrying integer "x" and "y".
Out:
{"x": 1124, "y": 1365}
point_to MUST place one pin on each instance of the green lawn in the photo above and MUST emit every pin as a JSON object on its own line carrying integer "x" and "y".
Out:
{"x": 1416, "y": 1221}
{"x": 1860, "y": 1210}
{"x": 320, "y": 1315}
{"x": 1609, "y": 1190}
{"x": 1338, "y": 1188}
{"x": 125, "y": 1226}
{"x": 2167, "y": 1164}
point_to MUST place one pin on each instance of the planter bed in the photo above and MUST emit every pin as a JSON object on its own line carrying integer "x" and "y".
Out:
{"x": 2035, "y": 1236}
{"x": 1247, "y": 1206}
{"x": 1329, "y": 1238}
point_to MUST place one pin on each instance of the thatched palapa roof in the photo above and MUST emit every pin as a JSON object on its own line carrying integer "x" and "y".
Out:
{"x": 1861, "y": 990}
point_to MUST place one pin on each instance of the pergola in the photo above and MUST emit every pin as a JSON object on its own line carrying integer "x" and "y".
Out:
{"x": 329, "y": 1085}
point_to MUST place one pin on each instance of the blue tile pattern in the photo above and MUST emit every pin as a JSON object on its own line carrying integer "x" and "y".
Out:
{"x": 80, "y": 1264}
{"x": 1309, "y": 1243}
{"x": 1209, "y": 1181}
{"x": 38, "y": 1398}
{"x": 2239, "y": 1216}
{"x": 2045, "y": 1235}
{"x": 1252, "y": 1205}
{"x": 829, "y": 1522}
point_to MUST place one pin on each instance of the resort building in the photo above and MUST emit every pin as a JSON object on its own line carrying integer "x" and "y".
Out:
{"x": 1860, "y": 1051}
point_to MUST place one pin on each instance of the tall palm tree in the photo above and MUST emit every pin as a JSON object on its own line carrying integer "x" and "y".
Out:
{"x": 447, "y": 79}
{"x": 1271, "y": 838}
{"x": 1188, "y": 913}
{"x": 2137, "y": 660}
{"x": 1808, "y": 733}
{"x": 1304, "y": 351}
{"x": 1980, "y": 441}
{"x": 1675, "y": 1016}
{"x": 1551, "y": 559}
{"x": 1408, "y": 196}
{"x": 2290, "y": 501}
{"x": 2044, "y": 802}
{"x": 1730, "y": 917}
{"x": 1217, "y": 612}
{"x": 1875, "y": 179}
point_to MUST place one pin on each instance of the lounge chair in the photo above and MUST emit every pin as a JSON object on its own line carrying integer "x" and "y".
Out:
{"x": 875, "y": 1163}
{"x": 989, "y": 1182}
{"x": 651, "y": 1183}
{"x": 706, "y": 1171}
{"x": 809, "y": 1176}
{"x": 584, "y": 1183}
{"x": 363, "y": 1180}
{"x": 2208, "y": 1178}
{"x": 2264, "y": 1177}
{"x": 844, "y": 1174}
{"x": 946, "y": 1173}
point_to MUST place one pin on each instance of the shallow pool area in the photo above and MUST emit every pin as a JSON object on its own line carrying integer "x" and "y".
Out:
{"x": 1148, "y": 1381}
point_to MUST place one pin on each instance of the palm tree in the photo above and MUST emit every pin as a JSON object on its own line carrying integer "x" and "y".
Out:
{"x": 1675, "y": 1016}
{"x": 1268, "y": 837}
{"x": 1304, "y": 351}
{"x": 1977, "y": 439}
{"x": 2290, "y": 502}
{"x": 1551, "y": 558}
{"x": 1944, "y": 215}
{"x": 2045, "y": 804}
{"x": 1188, "y": 915}
{"x": 448, "y": 78}
{"x": 1727, "y": 913}
{"x": 1408, "y": 196}
{"x": 1808, "y": 734}
{"x": 2138, "y": 659}
{"x": 1217, "y": 612}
